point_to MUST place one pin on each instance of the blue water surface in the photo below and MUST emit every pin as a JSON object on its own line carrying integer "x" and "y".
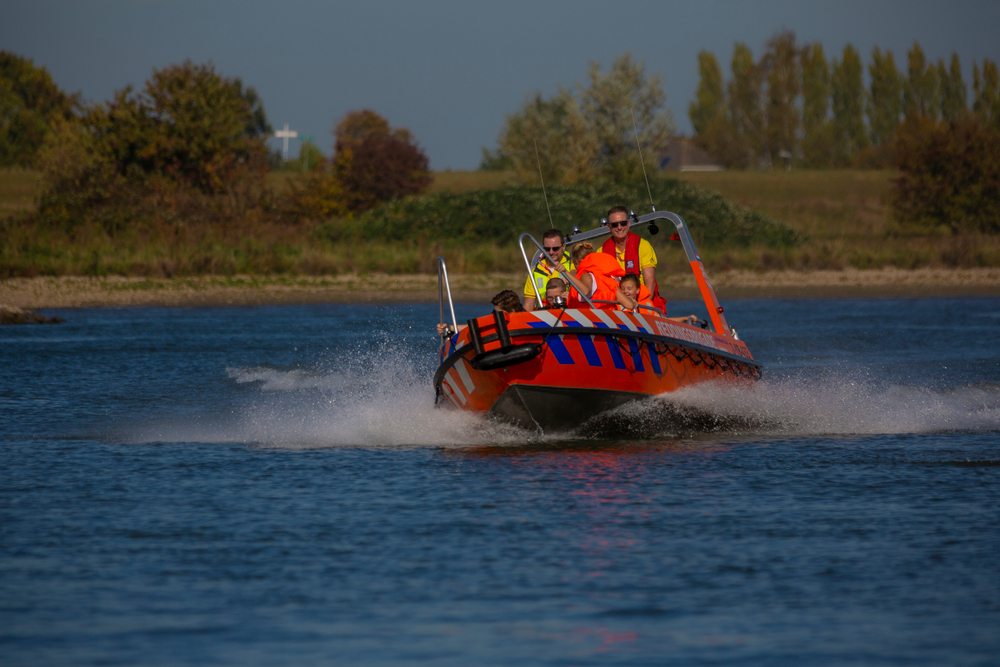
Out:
{"x": 271, "y": 485}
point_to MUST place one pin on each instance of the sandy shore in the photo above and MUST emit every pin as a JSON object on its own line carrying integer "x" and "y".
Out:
{"x": 80, "y": 292}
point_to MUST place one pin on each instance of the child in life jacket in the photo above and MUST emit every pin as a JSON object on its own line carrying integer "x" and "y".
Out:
{"x": 640, "y": 296}
{"x": 636, "y": 292}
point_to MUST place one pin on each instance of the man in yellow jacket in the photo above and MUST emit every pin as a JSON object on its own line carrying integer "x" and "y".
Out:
{"x": 555, "y": 245}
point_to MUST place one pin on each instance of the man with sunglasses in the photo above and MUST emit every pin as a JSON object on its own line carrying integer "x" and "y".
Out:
{"x": 554, "y": 244}
{"x": 634, "y": 254}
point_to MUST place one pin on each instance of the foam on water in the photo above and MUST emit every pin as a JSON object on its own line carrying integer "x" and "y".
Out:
{"x": 382, "y": 397}
{"x": 275, "y": 379}
{"x": 828, "y": 405}
{"x": 379, "y": 399}
{"x": 394, "y": 407}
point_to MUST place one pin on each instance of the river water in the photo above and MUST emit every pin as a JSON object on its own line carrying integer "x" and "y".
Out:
{"x": 272, "y": 485}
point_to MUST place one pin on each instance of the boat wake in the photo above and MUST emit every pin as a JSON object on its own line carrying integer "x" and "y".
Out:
{"x": 390, "y": 404}
{"x": 381, "y": 399}
{"x": 831, "y": 405}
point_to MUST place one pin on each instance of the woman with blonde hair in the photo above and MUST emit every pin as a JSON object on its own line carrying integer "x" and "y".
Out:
{"x": 597, "y": 275}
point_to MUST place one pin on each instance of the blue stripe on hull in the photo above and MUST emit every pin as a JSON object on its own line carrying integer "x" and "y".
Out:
{"x": 556, "y": 345}
{"x": 587, "y": 343}
{"x": 616, "y": 355}
{"x": 633, "y": 345}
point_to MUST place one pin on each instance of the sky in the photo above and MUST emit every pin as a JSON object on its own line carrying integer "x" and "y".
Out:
{"x": 452, "y": 70}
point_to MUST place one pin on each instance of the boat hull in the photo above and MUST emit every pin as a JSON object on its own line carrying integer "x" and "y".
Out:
{"x": 555, "y": 409}
{"x": 590, "y": 361}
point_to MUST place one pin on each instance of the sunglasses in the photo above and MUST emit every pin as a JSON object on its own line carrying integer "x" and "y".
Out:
{"x": 553, "y": 249}
{"x": 616, "y": 225}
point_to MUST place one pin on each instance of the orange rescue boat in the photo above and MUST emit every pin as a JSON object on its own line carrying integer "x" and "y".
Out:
{"x": 553, "y": 369}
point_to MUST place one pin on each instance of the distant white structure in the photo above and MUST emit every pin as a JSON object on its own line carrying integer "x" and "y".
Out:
{"x": 285, "y": 134}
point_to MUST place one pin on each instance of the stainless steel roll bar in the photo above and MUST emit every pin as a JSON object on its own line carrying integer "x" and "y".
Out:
{"x": 719, "y": 323}
{"x": 444, "y": 285}
{"x": 715, "y": 310}
{"x": 650, "y": 309}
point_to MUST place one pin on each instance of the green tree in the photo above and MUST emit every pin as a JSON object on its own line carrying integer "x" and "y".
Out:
{"x": 614, "y": 103}
{"x": 920, "y": 91}
{"x": 495, "y": 160}
{"x": 189, "y": 131}
{"x": 580, "y": 139}
{"x": 817, "y": 140}
{"x": 784, "y": 84}
{"x": 748, "y": 144}
{"x": 190, "y": 125}
{"x": 885, "y": 97}
{"x": 30, "y": 103}
{"x": 710, "y": 98}
{"x": 848, "y": 102}
{"x": 310, "y": 158}
{"x": 986, "y": 93}
{"x": 953, "y": 91}
{"x": 552, "y": 133}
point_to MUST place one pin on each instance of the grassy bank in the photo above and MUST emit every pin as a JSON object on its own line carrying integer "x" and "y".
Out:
{"x": 84, "y": 291}
{"x": 19, "y": 189}
{"x": 845, "y": 218}
{"x": 824, "y": 204}
{"x": 474, "y": 226}
{"x": 473, "y": 218}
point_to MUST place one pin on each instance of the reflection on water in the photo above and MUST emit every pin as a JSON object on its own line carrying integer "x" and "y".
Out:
{"x": 597, "y": 449}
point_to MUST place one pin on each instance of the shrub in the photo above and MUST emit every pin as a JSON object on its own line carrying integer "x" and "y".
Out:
{"x": 318, "y": 195}
{"x": 191, "y": 135}
{"x": 500, "y": 215}
{"x": 949, "y": 175}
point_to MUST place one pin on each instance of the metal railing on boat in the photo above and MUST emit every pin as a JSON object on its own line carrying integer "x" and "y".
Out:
{"x": 558, "y": 265}
{"x": 715, "y": 310}
{"x": 445, "y": 286}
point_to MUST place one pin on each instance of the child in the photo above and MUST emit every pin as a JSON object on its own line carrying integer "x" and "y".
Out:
{"x": 555, "y": 289}
{"x": 506, "y": 301}
{"x": 636, "y": 292}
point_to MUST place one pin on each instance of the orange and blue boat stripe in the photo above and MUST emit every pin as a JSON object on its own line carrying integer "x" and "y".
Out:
{"x": 458, "y": 378}
{"x": 587, "y": 344}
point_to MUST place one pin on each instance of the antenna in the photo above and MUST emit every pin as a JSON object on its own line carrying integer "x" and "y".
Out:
{"x": 539, "y": 161}
{"x": 641, "y": 163}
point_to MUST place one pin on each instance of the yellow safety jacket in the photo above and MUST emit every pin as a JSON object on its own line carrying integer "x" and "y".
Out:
{"x": 542, "y": 274}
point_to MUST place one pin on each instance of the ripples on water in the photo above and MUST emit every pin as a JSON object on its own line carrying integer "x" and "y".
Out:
{"x": 273, "y": 485}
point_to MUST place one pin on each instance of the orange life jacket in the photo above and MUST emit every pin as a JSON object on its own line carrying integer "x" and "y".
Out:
{"x": 643, "y": 297}
{"x": 605, "y": 268}
{"x": 632, "y": 264}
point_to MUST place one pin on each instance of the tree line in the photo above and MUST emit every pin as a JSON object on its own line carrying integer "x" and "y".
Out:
{"x": 793, "y": 105}
{"x": 191, "y": 144}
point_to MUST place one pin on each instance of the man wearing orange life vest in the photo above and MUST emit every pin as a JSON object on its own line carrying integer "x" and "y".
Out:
{"x": 597, "y": 277}
{"x": 634, "y": 254}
